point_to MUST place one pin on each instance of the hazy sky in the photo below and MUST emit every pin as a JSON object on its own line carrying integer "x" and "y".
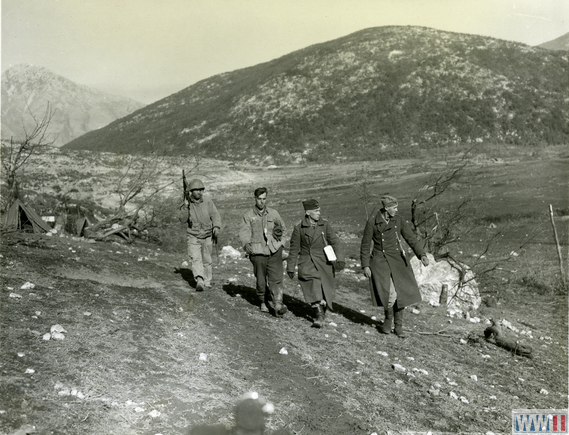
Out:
{"x": 149, "y": 49}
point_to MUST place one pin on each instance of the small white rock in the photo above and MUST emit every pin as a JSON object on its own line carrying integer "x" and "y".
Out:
{"x": 382, "y": 353}
{"x": 86, "y": 313}
{"x": 21, "y": 354}
{"x": 154, "y": 413}
{"x": 47, "y": 336}
{"x": 38, "y": 313}
{"x": 399, "y": 368}
{"x": 373, "y": 318}
{"x": 358, "y": 361}
{"x": 453, "y": 395}
{"x": 474, "y": 377}
{"x": 543, "y": 391}
{"x": 57, "y": 328}
{"x": 344, "y": 336}
{"x": 203, "y": 357}
{"x": 30, "y": 371}
{"x": 15, "y": 296}
{"x": 464, "y": 399}
{"x": 27, "y": 286}
{"x": 493, "y": 397}
{"x": 415, "y": 311}
{"x": 333, "y": 324}
{"x": 138, "y": 409}
{"x": 80, "y": 395}
{"x": 283, "y": 351}
{"x": 57, "y": 336}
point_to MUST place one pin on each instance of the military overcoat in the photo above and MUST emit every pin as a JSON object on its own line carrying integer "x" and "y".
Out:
{"x": 382, "y": 251}
{"x": 307, "y": 249}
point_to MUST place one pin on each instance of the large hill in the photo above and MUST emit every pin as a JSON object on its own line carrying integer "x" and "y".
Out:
{"x": 561, "y": 43}
{"x": 77, "y": 109}
{"x": 378, "y": 92}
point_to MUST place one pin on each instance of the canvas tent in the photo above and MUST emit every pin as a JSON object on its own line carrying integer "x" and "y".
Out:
{"x": 21, "y": 217}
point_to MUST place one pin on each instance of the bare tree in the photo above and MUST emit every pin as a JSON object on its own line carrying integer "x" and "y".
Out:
{"x": 16, "y": 153}
{"x": 437, "y": 225}
{"x": 138, "y": 184}
{"x": 365, "y": 190}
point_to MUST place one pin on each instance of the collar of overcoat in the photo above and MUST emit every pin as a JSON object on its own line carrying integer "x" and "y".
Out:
{"x": 306, "y": 225}
{"x": 380, "y": 220}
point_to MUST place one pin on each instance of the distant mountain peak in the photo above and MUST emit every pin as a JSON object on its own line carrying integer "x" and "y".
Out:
{"x": 384, "y": 91}
{"x": 77, "y": 108}
{"x": 561, "y": 43}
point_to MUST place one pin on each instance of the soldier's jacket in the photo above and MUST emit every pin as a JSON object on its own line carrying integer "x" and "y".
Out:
{"x": 257, "y": 228}
{"x": 201, "y": 217}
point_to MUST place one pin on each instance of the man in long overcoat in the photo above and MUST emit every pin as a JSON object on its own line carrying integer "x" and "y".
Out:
{"x": 393, "y": 283}
{"x": 316, "y": 272}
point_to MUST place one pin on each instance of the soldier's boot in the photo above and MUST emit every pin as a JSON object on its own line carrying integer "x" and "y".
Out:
{"x": 200, "y": 285}
{"x": 398, "y": 318}
{"x": 280, "y": 307}
{"x": 387, "y": 322}
{"x": 319, "y": 315}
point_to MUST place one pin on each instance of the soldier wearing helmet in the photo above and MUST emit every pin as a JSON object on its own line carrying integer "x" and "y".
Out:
{"x": 204, "y": 223}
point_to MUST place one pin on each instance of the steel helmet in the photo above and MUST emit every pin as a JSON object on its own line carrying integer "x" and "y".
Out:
{"x": 195, "y": 184}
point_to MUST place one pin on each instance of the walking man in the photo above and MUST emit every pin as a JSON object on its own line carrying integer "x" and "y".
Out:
{"x": 385, "y": 263}
{"x": 261, "y": 234}
{"x": 316, "y": 270}
{"x": 204, "y": 223}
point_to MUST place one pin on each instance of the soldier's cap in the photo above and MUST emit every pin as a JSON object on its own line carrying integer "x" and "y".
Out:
{"x": 388, "y": 201}
{"x": 310, "y": 204}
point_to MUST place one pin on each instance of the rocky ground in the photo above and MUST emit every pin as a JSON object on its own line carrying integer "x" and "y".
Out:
{"x": 140, "y": 352}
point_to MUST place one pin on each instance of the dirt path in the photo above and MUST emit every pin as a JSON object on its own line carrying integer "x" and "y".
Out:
{"x": 145, "y": 354}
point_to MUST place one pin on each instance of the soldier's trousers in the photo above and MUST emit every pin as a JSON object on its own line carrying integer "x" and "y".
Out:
{"x": 268, "y": 270}
{"x": 199, "y": 251}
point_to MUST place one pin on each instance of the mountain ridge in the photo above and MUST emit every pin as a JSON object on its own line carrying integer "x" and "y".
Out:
{"x": 77, "y": 109}
{"x": 561, "y": 43}
{"x": 378, "y": 92}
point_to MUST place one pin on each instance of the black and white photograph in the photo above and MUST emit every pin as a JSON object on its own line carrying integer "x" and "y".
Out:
{"x": 262, "y": 217}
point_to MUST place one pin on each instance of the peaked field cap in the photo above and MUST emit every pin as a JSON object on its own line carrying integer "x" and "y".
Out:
{"x": 310, "y": 204}
{"x": 196, "y": 183}
{"x": 388, "y": 201}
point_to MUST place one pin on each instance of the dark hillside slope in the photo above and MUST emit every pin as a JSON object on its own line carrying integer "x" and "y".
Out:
{"x": 379, "y": 91}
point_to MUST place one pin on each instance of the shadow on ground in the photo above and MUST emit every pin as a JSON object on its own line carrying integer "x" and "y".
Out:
{"x": 298, "y": 307}
{"x": 187, "y": 275}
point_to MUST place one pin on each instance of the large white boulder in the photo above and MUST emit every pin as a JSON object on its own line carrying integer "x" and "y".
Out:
{"x": 431, "y": 279}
